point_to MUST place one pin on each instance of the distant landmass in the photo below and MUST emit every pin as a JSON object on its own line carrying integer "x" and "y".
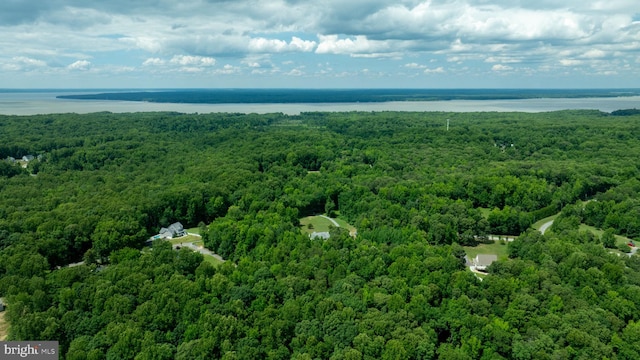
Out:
{"x": 267, "y": 96}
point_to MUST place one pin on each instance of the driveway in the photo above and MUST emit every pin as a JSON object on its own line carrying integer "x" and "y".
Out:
{"x": 201, "y": 249}
{"x": 335, "y": 223}
{"x": 545, "y": 226}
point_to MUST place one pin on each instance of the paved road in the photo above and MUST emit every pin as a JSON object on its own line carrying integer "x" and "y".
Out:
{"x": 545, "y": 226}
{"x": 476, "y": 272}
{"x": 201, "y": 249}
{"x": 335, "y": 223}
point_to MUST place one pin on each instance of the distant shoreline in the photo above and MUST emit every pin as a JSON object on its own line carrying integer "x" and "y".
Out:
{"x": 47, "y": 101}
{"x": 310, "y": 96}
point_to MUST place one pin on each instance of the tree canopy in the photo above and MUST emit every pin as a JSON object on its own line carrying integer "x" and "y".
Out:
{"x": 104, "y": 183}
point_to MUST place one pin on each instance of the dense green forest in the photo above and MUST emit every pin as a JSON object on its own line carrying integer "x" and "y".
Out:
{"x": 101, "y": 184}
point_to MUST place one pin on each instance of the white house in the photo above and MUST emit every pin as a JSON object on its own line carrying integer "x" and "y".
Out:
{"x": 174, "y": 230}
{"x": 482, "y": 261}
{"x": 324, "y": 235}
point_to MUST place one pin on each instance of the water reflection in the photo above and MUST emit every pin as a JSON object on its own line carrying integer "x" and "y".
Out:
{"x": 30, "y": 103}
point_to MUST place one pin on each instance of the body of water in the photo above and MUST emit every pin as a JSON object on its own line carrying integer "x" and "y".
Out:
{"x": 31, "y": 103}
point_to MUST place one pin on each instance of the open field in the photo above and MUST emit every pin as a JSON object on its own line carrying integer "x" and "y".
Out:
{"x": 496, "y": 248}
{"x": 185, "y": 239}
{"x": 344, "y": 224}
{"x": 195, "y": 230}
{"x": 599, "y": 232}
{"x": 212, "y": 260}
{"x": 318, "y": 224}
{"x": 4, "y": 327}
{"x": 322, "y": 224}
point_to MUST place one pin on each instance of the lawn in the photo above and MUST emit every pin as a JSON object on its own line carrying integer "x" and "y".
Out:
{"x": 498, "y": 248}
{"x": 185, "y": 239}
{"x": 195, "y": 230}
{"x": 599, "y": 232}
{"x": 485, "y": 212}
{"x": 344, "y": 224}
{"x": 211, "y": 260}
{"x": 4, "y": 327}
{"x": 320, "y": 224}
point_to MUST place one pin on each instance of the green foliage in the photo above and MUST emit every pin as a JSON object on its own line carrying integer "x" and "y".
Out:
{"x": 398, "y": 290}
{"x": 608, "y": 239}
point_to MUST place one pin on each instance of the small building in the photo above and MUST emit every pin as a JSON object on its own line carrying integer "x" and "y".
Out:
{"x": 177, "y": 229}
{"x": 11, "y": 159}
{"x": 482, "y": 261}
{"x": 1, "y": 305}
{"x": 28, "y": 157}
{"x": 174, "y": 230}
{"x": 324, "y": 235}
{"x": 164, "y": 234}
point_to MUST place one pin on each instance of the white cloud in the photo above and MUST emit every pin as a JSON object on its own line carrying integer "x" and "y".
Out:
{"x": 358, "y": 45}
{"x": 500, "y": 67}
{"x": 153, "y": 62}
{"x": 30, "y": 62}
{"x": 414, "y": 66}
{"x": 502, "y": 59}
{"x": 377, "y": 55}
{"x": 438, "y": 70}
{"x": 264, "y": 45}
{"x": 79, "y": 65}
{"x": 187, "y": 60}
{"x": 23, "y": 63}
{"x": 594, "y": 54}
{"x": 576, "y": 37}
{"x": 425, "y": 69}
{"x": 570, "y": 62}
{"x": 295, "y": 72}
{"x": 302, "y": 45}
{"x": 228, "y": 69}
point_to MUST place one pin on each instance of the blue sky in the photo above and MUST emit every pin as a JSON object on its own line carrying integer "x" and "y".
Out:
{"x": 319, "y": 43}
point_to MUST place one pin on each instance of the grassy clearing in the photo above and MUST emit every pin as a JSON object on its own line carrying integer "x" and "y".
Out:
{"x": 344, "y": 224}
{"x": 194, "y": 230}
{"x": 4, "y": 327}
{"x": 212, "y": 260}
{"x": 185, "y": 239}
{"x": 198, "y": 243}
{"x": 599, "y": 232}
{"x": 498, "y": 248}
{"x": 485, "y": 212}
{"x": 320, "y": 224}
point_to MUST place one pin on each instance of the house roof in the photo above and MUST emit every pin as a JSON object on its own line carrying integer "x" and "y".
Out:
{"x": 323, "y": 235}
{"x": 177, "y": 227}
{"x": 485, "y": 259}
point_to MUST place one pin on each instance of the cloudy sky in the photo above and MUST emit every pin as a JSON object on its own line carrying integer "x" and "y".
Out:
{"x": 319, "y": 43}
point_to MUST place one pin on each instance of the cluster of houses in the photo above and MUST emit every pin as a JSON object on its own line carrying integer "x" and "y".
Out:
{"x": 23, "y": 160}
